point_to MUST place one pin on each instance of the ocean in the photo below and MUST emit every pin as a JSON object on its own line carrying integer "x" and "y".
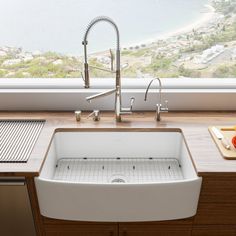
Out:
{"x": 59, "y": 25}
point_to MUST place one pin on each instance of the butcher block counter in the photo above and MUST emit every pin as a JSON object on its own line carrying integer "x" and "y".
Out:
{"x": 194, "y": 126}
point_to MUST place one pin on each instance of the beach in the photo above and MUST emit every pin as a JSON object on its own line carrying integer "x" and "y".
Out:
{"x": 205, "y": 18}
{"x": 202, "y": 21}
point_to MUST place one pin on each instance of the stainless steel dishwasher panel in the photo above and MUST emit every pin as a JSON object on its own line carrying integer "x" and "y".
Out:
{"x": 15, "y": 211}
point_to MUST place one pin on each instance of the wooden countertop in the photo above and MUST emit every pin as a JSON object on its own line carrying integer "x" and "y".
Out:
{"x": 194, "y": 125}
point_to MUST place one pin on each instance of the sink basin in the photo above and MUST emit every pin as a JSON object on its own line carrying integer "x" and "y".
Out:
{"x": 111, "y": 175}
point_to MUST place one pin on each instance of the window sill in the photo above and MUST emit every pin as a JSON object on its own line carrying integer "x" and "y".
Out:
{"x": 69, "y": 94}
{"x": 101, "y": 83}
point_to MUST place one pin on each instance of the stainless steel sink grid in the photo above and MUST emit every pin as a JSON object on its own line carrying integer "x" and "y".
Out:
{"x": 17, "y": 139}
{"x": 118, "y": 170}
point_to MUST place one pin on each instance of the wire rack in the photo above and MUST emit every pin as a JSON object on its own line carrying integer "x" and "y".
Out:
{"x": 118, "y": 170}
{"x": 17, "y": 139}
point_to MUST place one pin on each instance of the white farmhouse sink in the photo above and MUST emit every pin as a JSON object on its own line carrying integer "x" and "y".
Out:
{"x": 118, "y": 176}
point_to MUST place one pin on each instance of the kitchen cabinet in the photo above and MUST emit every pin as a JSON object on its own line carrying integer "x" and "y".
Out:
{"x": 81, "y": 230}
{"x": 215, "y": 230}
{"x": 153, "y": 230}
{"x": 66, "y": 228}
{"x": 15, "y": 211}
{"x": 217, "y": 203}
{"x": 215, "y": 214}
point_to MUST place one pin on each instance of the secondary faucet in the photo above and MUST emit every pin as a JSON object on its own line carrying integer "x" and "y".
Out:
{"x": 117, "y": 90}
{"x": 159, "y": 108}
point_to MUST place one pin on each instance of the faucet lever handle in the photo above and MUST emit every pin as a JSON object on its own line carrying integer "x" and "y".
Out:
{"x": 165, "y": 109}
{"x": 112, "y": 57}
{"x": 129, "y": 109}
{"x": 95, "y": 114}
{"x": 82, "y": 76}
{"x": 102, "y": 69}
{"x": 132, "y": 100}
{"x": 124, "y": 66}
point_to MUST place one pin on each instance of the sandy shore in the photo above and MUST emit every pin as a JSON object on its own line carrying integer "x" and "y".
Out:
{"x": 206, "y": 18}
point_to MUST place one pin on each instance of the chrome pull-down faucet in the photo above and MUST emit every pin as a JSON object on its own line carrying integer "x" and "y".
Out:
{"x": 159, "y": 107}
{"x": 117, "y": 90}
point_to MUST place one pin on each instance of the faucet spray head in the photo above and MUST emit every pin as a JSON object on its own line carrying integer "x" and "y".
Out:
{"x": 86, "y": 66}
{"x": 86, "y": 75}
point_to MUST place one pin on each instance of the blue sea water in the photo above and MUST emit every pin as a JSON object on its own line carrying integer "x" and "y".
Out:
{"x": 59, "y": 25}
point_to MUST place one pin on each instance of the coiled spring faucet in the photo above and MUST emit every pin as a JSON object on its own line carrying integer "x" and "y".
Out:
{"x": 118, "y": 105}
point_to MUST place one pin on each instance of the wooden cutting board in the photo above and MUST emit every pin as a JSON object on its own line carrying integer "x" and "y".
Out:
{"x": 227, "y": 154}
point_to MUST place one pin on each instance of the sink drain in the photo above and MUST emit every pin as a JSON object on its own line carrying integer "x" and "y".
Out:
{"x": 118, "y": 180}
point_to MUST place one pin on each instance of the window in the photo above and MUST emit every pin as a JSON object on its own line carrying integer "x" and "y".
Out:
{"x": 165, "y": 38}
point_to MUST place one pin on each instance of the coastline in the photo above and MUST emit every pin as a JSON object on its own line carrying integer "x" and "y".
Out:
{"x": 200, "y": 22}
{"x": 205, "y": 18}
